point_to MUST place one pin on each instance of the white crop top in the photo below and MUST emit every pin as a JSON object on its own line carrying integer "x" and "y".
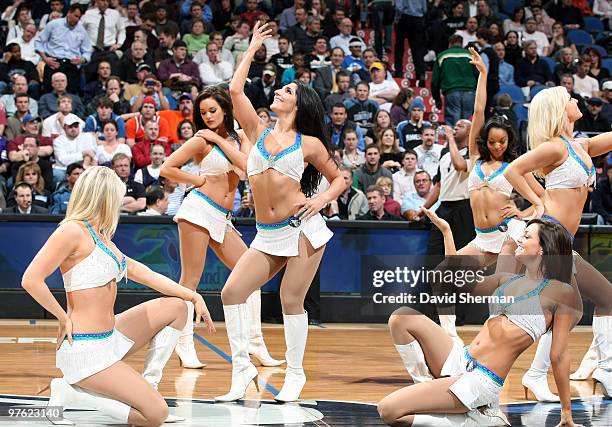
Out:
{"x": 526, "y": 310}
{"x": 97, "y": 269}
{"x": 289, "y": 162}
{"x": 216, "y": 162}
{"x": 496, "y": 181}
{"x": 572, "y": 173}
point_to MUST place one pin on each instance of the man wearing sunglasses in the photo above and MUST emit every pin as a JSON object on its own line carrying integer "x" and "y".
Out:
{"x": 74, "y": 146}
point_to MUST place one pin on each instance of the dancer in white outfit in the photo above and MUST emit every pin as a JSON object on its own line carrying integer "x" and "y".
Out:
{"x": 91, "y": 340}
{"x": 284, "y": 169}
{"x": 204, "y": 218}
{"x": 467, "y": 381}
{"x": 569, "y": 172}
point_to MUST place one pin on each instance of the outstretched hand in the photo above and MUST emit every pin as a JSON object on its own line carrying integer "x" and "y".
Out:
{"x": 436, "y": 220}
{"x": 477, "y": 61}
{"x": 260, "y": 33}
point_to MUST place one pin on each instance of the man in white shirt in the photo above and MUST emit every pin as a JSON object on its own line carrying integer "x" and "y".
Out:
{"x": 538, "y": 36}
{"x": 585, "y": 85}
{"x": 403, "y": 179}
{"x": 225, "y": 54}
{"x": 342, "y": 39}
{"x": 113, "y": 35}
{"x": 428, "y": 152}
{"x": 381, "y": 90}
{"x": 157, "y": 201}
{"x": 74, "y": 146}
{"x": 469, "y": 34}
{"x": 26, "y": 42}
{"x": 53, "y": 126}
{"x": 215, "y": 70}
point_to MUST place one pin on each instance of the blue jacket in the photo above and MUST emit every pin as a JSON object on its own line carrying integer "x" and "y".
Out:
{"x": 59, "y": 203}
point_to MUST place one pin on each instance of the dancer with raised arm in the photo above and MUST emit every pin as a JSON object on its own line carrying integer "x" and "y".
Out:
{"x": 204, "y": 218}
{"x": 91, "y": 340}
{"x": 491, "y": 148}
{"x": 569, "y": 172}
{"x": 468, "y": 379}
{"x": 284, "y": 169}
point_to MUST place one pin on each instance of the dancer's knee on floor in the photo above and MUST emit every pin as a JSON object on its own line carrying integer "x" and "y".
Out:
{"x": 388, "y": 413}
{"x": 156, "y": 414}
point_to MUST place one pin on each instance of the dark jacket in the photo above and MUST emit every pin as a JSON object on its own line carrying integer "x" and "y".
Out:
{"x": 35, "y": 210}
{"x": 601, "y": 199}
{"x": 537, "y": 71}
{"x": 385, "y": 217}
{"x": 256, "y": 94}
{"x": 60, "y": 198}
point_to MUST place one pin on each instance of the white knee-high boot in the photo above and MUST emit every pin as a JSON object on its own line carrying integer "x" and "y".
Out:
{"x": 243, "y": 371}
{"x": 414, "y": 361}
{"x": 64, "y": 394}
{"x": 185, "y": 348}
{"x": 439, "y": 420}
{"x": 257, "y": 345}
{"x": 587, "y": 365}
{"x": 602, "y": 329}
{"x": 296, "y": 333}
{"x": 536, "y": 378}
{"x": 160, "y": 350}
{"x": 447, "y": 322}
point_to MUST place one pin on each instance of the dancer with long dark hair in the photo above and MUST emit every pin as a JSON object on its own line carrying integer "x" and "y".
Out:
{"x": 467, "y": 380}
{"x": 204, "y": 218}
{"x": 284, "y": 167}
{"x": 568, "y": 169}
{"x": 91, "y": 341}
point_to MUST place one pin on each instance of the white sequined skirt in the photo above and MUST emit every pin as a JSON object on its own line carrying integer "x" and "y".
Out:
{"x": 492, "y": 240}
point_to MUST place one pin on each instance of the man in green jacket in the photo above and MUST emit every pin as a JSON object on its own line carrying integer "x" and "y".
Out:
{"x": 455, "y": 78}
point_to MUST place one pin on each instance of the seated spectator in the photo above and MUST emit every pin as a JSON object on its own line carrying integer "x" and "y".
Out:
{"x": 543, "y": 47}
{"x": 265, "y": 117}
{"x": 606, "y": 91}
{"x": 567, "y": 14}
{"x": 53, "y": 126}
{"x": 28, "y": 146}
{"x": 110, "y": 145}
{"x": 597, "y": 71}
{"x": 429, "y": 152}
{"x": 544, "y": 23}
{"x": 114, "y": 92}
{"x": 23, "y": 201}
{"x": 409, "y": 132}
{"x": 27, "y": 43}
{"x": 5, "y": 165}
{"x": 381, "y": 90}
{"x": 351, "y": 204}
{"x": 403, "y": 180}
{"x": 184, "y": 111}
{"x": 130, "y": 63}
{"x": 343, "y": 39}
{"x": 197, "y": 39}
{"x": 141, "y": 151}
{"x": 382, "y": 120}
{"x": 47, "y": 105}
{"x": 185, "y": 130}
{"x": 504, "y": 109}
{"x": 319, "y": 56}
{"x": 531, "y": 70}
{"x": 283, "y": 59}
{"x": 252, "y": 12}
{"x": 391, "y": 206}
{"x": 367, "y": 174}
{"x": 73, "y": 146}
{"x": 258, "y": 63}
{"x": 61, "y": 197}
{"x": 601, "y": 198}
{"x": 13, "y": 64}
{"x": 353, "y": 62}
{"x": 178, "y": 71}
{"x": 506, "y": 71}
{"x": 343, "y": 82}
{"x": 134, "y": 127}
{"x": 298, "y": 28}
{"x": 14, "y": 124}
{"x": 19, "y": 86}
{"x": 247, "y": 205}
{"x": 238, "y": 43}
{"x": 225, "y": 55}
{"x": 271, "y": 43}
{"x": 176, "y": 194}
{"x": 376, "y": 205}
{"x": 340, "y": 124}
{"x": 567, "y": 81}
{"x": 97, "y": 86}
{"x": 157, "y": 201}
{"x": 289, "y": 73}
{"x": 515, "y": 22}
{"x": 412, "y": 202}
{"x": 390, "y": 151}
{"x": 167, "y": 37}
{"x": 29, "y": 125}
{"x": 304, "y": 41}
{"x": 514, "y": 52}
{"x": 401, "y": 104}
{"x": 585, "y": 85}
{"x": 215, "y": 70}
{"x": 135, "y": 198}
{"x": 31, "y": 174}
{"x": 559, "y": 41}
{"x": 351, "y": 157}
{"x": 326, "y": 76}
{"x": 261, "y": 91}
{"x": 104, "y": 113}
{"x": 361, "y": 109}
{"x": 149, "y": 175}
{"x": 593, "y": 121}
{"x": 149, "y": 87}
{"x": 304, "y": 75}
{"x": 468, "y": 35}
{"x": 566, "y": 64}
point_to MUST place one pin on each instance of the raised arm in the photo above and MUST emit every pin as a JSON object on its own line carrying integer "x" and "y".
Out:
{"x": 547, "y": 154}
{"x": 479, "y": 103}
{"x": 142, "y": 274}
{"x": 171, "y": 168}
{"x": 600, "y": 144}
{"x": 243, "y": 109}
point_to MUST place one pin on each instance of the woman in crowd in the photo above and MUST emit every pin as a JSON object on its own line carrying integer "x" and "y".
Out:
{"x": 597, "y": 71}
{"x": 514, "y": 51}
{"x": 204, "y": 218}
{"x": 30, "y": 173}
{"x": 391, "y": 206}
{"x": 516, "y": 23}
{"x": 559, "y": 41}
{"x": 91, "y": 341}
{"x": 284, "y": 168}
{"x": 462, "y": 384}
{"x": 264, "y": 115}
{"x": 107, "y": 148}
{"x": 382, "y": 120}
{"x": 569, "y": 172}
{"x": 184, "y": 131}
{"x": 390, "y": 151}
{"x": 350, "y": 155}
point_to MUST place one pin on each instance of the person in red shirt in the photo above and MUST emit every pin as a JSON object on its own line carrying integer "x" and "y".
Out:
{"x": 141, "y": 151}
{"x": 252, "y": 12}
{"x": 134, "y": 128}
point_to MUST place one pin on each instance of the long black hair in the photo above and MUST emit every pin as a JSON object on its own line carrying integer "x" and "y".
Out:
{"x": 310, "y": 120}
{"x": 224, "y": 101}
{"x": 556, "y": 244}
{"x": 497, "y": 122}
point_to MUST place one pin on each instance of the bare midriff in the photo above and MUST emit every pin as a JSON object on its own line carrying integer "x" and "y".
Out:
{"x": 92, "y": 310}
{"x": 565, "y": 204}
{"x": 275, "y": 196}
{"x": 221, "y": 189}
{"x": 486, "y": 206}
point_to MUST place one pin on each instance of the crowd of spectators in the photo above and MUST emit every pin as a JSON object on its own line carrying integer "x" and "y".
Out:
{"x": 112, "y": 83}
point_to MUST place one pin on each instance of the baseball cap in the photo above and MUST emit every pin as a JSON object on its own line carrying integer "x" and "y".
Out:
{"x": 29, "y": 118}
{"x": 185, "y": 95}
{"x": 378, "y": 66}
{"x": 607, "y": 85}
{"x": 269, "y": 69}
{"x": 142, "y": 67}
{"x": 71, "y": 119}
{"x": 148, "y": 100}
{"x": 595, "y": 101}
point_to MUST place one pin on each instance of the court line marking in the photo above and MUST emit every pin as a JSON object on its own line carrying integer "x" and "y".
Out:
{"x": 228, "y": 359}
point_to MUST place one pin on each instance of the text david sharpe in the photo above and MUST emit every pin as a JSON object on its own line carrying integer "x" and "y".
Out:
{"x": 426, "y": 298}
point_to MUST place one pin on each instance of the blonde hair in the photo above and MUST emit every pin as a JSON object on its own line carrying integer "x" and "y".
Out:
{"x": 547, "y": 115}
{"x": 384, "y": 181}
{"x": 28, "y": 167}
{"x": 96, "y": 197}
